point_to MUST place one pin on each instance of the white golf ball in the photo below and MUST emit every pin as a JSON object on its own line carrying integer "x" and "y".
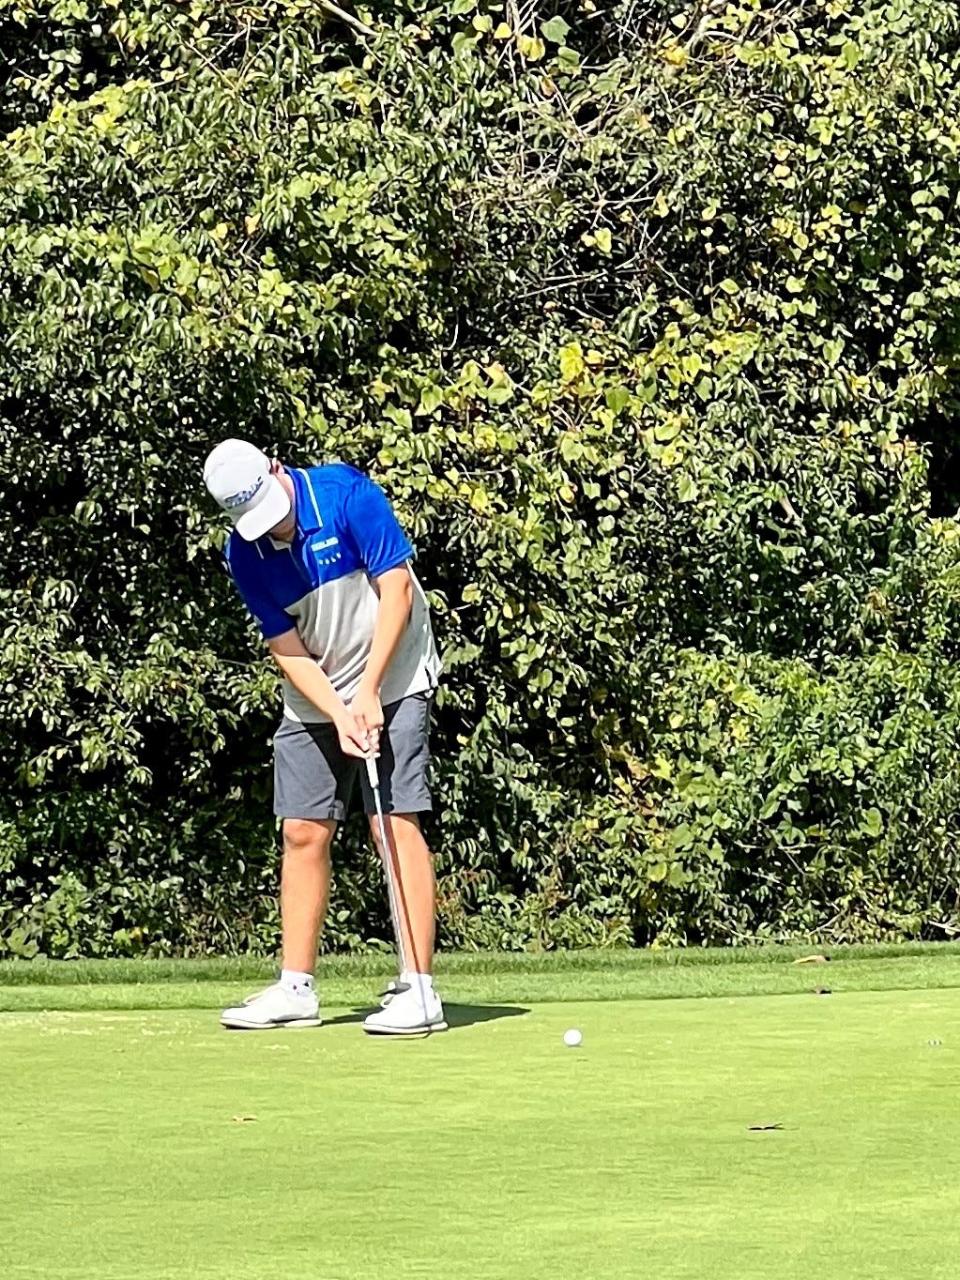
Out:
{"x": 572, "y": 1038}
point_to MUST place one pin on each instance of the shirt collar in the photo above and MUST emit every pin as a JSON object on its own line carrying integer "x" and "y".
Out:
{"x": 309, "y": 519}
{"x": 307, "y": 513}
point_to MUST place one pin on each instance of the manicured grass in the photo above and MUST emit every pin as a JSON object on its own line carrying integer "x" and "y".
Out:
{"x": 480, "y": 977}
{"x": 147, "y": 1144}
{"x": 373, "y": 964}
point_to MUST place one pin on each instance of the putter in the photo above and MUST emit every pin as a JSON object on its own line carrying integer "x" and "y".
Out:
{"x": 408, "y": 964}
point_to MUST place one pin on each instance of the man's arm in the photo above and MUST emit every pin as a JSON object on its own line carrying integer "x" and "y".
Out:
{"x": 395, "y": 589}
{"x": 304, "y": 673}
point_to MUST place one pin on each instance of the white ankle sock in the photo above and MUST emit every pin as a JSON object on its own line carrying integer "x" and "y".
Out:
{"x": 417, "y": 980}
{"x": 294, "y": 980}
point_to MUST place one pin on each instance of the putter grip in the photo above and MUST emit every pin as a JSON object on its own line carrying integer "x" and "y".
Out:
{"x": 372, "y": 773}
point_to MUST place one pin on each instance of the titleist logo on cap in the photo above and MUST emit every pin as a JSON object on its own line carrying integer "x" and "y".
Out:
{"x": 238, "y": 499}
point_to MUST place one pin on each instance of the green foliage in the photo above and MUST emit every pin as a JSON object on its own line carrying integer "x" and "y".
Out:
{"x": 645, "y": 319}
{"x": 784, "y": 799}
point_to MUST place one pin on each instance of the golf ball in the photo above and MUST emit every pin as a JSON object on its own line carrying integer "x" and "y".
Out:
{"x": 572, "y": 1038}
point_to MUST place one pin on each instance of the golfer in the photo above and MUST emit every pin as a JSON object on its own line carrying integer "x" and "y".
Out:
{"x": 321, "y": 563}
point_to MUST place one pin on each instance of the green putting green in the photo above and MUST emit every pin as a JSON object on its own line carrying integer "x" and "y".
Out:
{"x": 795, "y": 1136}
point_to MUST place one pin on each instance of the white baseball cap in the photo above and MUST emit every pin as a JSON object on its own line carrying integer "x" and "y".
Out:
{"x": 237, "y": 474}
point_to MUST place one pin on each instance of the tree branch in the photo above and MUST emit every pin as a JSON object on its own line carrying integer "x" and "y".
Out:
{"x": 348, "y": 18}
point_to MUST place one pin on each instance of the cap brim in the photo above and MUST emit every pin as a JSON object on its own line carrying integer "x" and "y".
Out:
{"x": 273, "y": 507}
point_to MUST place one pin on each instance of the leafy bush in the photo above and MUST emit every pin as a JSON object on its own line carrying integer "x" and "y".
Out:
{"x": 645, "y": 319}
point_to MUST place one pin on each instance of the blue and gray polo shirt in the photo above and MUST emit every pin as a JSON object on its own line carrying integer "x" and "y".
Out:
{"x": 321, "y": 583}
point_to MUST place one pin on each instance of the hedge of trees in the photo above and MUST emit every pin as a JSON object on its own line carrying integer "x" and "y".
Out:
{"x": 646, "y": 317}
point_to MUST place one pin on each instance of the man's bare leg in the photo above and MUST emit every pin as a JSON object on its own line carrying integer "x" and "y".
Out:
{"x": 304, "y": 889}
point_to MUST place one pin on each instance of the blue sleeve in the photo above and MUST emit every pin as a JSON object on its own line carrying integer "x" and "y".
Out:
{"x": 375, "y": 530}
{"x": 251, "y": 583}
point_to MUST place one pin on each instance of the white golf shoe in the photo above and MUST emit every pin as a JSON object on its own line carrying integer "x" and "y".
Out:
{"x": 408, "y": 1013}
{"x": 393, "y": 988}
{"x": 275, "y": 1007}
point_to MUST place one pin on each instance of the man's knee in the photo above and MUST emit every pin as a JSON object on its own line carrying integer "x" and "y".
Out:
{"x": 306, "y": 839}
{"x": 402, "y": 828}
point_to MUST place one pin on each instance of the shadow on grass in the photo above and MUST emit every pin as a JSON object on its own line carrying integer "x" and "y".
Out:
{"x": 465, "y": 1015}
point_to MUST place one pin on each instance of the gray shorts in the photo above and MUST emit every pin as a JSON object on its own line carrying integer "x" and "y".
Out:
{"x": 312, "y": 778}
